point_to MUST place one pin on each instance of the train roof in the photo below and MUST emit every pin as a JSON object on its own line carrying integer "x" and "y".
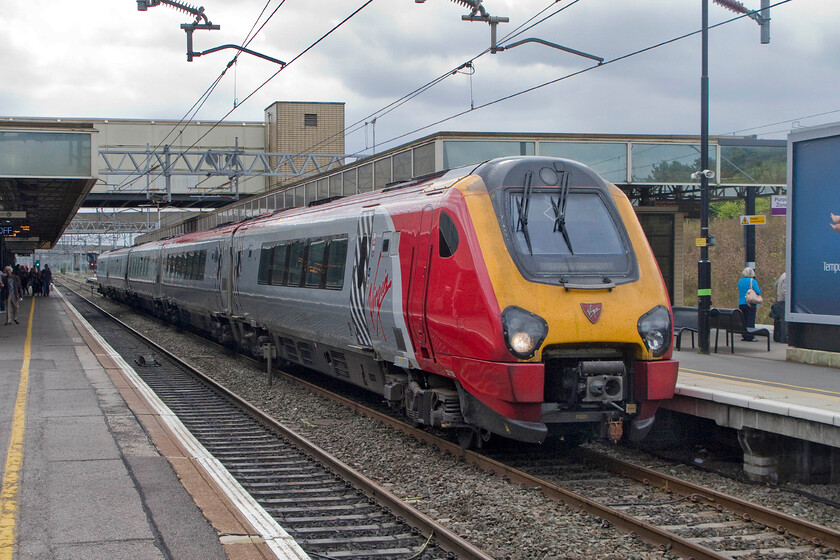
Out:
{"x": 440, "y": 180}
{"x": 495, "y": 170}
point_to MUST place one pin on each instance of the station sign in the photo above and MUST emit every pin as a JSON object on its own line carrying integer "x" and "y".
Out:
{"x": 753, "y": 220}
{"x": 12, "y": 214}
{"x": 778, "y": 205}
{"x": 14, "y": 231}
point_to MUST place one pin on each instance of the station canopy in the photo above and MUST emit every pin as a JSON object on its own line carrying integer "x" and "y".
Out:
{"x": 46, "y": 171}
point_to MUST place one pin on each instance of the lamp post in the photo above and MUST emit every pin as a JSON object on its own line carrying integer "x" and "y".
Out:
{"x": 704, "y": 267}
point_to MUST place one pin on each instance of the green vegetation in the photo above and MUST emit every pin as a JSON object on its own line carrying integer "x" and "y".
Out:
{"x": 754, "y": 164}
{"x": 727, "y": 257}
{"x": 735, "y": 208}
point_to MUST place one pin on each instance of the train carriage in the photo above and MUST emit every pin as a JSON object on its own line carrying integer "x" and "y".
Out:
{"x": 143, "y": 277}
{"x": 518, "y": 297}
{"x": 194, "y": 280}
{"x": 111, "y": 273}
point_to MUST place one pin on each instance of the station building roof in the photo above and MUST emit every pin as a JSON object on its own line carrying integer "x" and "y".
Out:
{"x": 46, "y": 171}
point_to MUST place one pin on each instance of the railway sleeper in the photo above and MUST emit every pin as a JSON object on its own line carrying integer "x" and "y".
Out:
{"x": 308, "y": 509}
{"x": 335, "y": 521}
{"x": 354, "y": 528}
{"x": 780, "y": 552}
{"x": 355, "y": 542}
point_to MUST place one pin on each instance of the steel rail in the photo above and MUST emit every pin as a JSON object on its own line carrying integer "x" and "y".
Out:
{"x": 816, "y": 534}
{"x": 445, "y": 539}
{"x": 651, "y": 534}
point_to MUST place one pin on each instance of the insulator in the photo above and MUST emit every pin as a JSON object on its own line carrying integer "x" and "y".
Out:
{"x": 186, "y": 8}
{"x": 733, "y": 5}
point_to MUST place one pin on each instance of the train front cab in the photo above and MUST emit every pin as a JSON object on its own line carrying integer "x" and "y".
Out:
{"x": 587, "y": 330}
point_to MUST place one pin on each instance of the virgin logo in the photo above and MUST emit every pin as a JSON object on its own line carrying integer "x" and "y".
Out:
{"x": 592, "y": 311}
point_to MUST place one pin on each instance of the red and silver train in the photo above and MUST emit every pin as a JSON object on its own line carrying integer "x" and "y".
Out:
{"x": 518, "y": 297}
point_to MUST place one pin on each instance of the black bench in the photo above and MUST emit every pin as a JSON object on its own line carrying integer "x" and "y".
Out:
{"x": 685, "y": 319}
{"x": 732, "y": 321}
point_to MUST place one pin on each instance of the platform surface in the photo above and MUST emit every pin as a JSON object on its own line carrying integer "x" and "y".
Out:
{"x": 86, "y": 475}
{"x": 762, "y": 382}
{"x": 81, "y": 476}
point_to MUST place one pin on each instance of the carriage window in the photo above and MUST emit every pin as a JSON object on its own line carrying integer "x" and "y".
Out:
{"x": 315, "y": 264}
{"x": 265, "y": 264}
{"x": 278, "y": 265}
{"x": 447, "y": 236}
{"x": 296, "y": 254}
{"x": 337, "y": 260}
{"x": 192, "y": 261}
{"x": 201, "y": 261}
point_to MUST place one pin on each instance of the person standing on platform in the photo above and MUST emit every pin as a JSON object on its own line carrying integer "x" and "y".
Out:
{"x": 747, "y": 282}
{"x": 36, "y": 281}
{"x": 777, "y": 311}
{"x": 15, "y": 295}
{"x": 46, "y": 279}
{"x": 4, "y": 290}
{"x": 33, "y": 276}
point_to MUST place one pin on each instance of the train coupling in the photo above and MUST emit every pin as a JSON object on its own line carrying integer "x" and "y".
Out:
{"x": 603, "y": 381}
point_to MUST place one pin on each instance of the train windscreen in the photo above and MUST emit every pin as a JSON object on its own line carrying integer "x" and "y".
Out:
{"x": 554, "y": 234}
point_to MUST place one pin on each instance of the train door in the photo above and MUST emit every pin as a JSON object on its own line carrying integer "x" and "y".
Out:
{"x": 224, "y": 275}
{"x": 238, "y": 257}
{"x": 419, "y": 281}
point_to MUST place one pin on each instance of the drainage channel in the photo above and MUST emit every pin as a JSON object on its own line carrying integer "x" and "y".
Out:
{"x": 331, "y": 511}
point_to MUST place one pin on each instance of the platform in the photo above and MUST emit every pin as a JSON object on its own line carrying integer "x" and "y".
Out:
{"x": 778, "y": 406}
{"x": 90, "y": 470}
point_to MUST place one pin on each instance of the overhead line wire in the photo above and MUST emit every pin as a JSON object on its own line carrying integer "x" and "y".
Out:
{"x": 573, "y": 74}
{"x": 786, "y": 121}
{"x": 298, "y": 56}
{"x": 206, "y": 95}
{"x": 381, "y": 112}
{"x": 428, "y": 85}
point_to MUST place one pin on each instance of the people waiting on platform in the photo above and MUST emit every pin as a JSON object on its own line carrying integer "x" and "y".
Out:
{"x": 777, "y": 311}
{"x": 14, "y": 298}
{"x": 4, "y": 290}
{"x": 46, "y": 280}
{"x": 745, "y": 283}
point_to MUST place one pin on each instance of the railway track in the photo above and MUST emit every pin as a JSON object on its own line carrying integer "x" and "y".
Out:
{"x": 331, "y": 510}
{"x": 685, "y": 519}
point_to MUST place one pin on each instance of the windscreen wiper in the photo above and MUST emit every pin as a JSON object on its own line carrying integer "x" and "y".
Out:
{"x": 522, "y": 206}
{"x": 559, "y": 207}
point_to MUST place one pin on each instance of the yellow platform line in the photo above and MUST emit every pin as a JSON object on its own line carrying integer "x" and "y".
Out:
{"x": 14, "y": 457}
{"x": 763, "y": 382}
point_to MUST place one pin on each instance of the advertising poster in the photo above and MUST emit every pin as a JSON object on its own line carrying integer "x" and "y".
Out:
{"x": 813, "y": 240}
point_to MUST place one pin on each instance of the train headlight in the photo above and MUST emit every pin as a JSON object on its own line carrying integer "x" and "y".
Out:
{"x": 524, "y": 331}
{"x": 655, "y": 330}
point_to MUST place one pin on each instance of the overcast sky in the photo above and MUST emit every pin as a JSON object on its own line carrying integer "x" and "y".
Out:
{"x": 106, "y": 59}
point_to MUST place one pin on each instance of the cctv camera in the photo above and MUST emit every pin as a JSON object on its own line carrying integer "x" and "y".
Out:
{"x": 709, "y": 173}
